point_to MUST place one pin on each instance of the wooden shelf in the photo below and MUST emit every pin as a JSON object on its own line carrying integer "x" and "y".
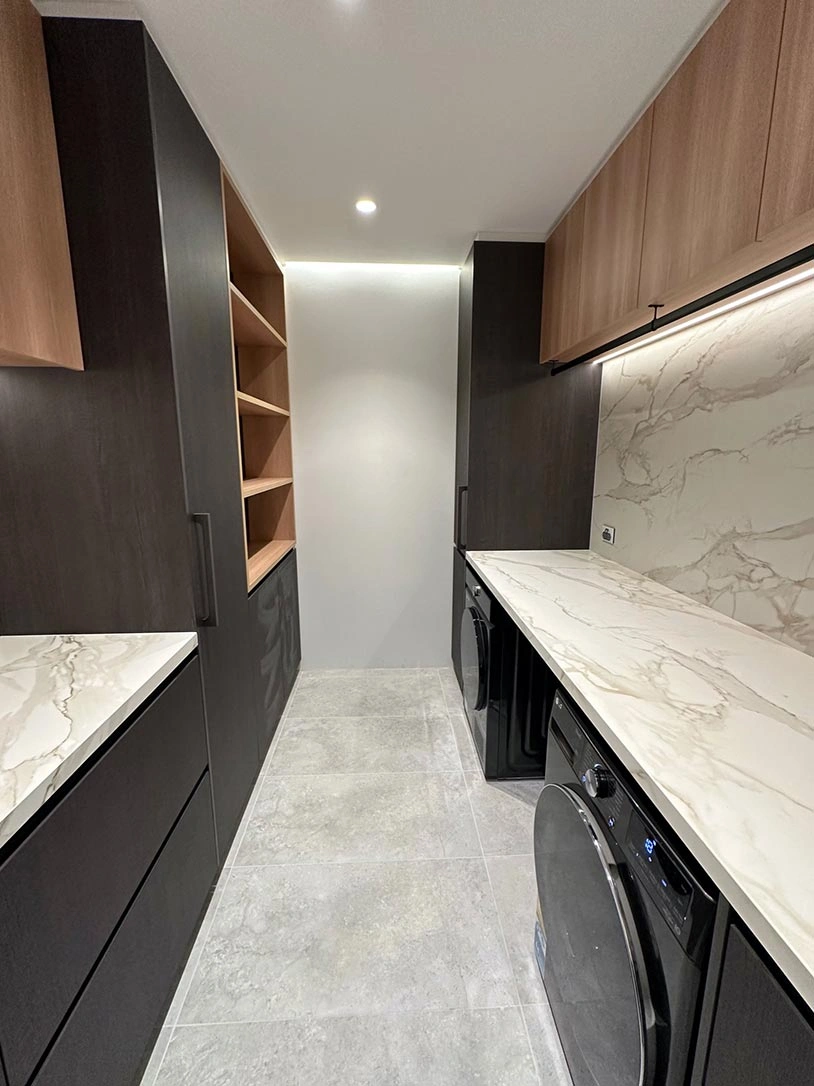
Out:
{"x": 250, "y": 327}
{"x": 251, "y": 405}
{"x": 259, "y": 486}
{"x": 264, "y": 557}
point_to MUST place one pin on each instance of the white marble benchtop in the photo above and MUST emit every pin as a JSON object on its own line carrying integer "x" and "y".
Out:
{"x": 61, "y": 696}
{"x": 714, "y": 720}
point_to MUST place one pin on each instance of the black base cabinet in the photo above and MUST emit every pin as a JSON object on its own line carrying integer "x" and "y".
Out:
{"x": 759, "y": 1036}
{"x": 108, "y": 1036}
{"x": 100, "y": 899}
{"x": 275, "y": 623}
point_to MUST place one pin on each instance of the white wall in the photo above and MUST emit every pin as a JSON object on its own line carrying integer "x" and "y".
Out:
{"x": 372, "y": 362}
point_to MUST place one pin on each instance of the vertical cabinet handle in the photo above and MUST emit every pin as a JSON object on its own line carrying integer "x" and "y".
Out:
{"x": 208, "y": 613}
{"x": 460, "y": 516}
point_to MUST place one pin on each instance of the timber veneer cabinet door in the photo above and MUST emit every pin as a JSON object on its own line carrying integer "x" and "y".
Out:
{"x": 38, "y": 323}
{"x": 788, "y": 187}
{"x": 708, "y": 151}
{"x": 612, "y": 232}
{"x": 561, "y": 284}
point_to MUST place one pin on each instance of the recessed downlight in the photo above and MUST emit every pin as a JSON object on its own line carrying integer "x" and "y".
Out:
{"x": 365, "y": 206}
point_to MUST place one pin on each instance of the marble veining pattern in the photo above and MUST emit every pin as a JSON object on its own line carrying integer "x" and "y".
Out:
{"x": 705, "y": 464}
{"x": 61, "y": 696}
{"x": 713, "y": 718}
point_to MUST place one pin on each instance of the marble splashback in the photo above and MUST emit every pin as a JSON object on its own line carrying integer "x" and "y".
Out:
{"x": 705, "y": 464}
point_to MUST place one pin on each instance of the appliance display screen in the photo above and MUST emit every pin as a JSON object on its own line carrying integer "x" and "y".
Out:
{"x": 657, "y": 861}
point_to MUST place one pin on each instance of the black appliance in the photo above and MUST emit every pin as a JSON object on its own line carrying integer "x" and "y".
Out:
{"x": 507, "y": 688}
{"x": 525, "y": 441}
{"x": 625, "y": 918}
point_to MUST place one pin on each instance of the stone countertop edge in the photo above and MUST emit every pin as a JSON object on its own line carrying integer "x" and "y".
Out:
{"x": 710, "y": 692}
{"x": 61, "y": 697}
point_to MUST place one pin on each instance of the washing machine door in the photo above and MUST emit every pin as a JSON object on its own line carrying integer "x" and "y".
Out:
{"x": 474, "y": 657}
{"x": 594, "y": 969}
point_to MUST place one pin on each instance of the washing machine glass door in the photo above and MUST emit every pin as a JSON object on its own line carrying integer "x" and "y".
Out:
{"x": 594, "y": 971}
{"x": 475, "y": 671}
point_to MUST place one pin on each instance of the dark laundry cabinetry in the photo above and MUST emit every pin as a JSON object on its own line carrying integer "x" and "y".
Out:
{"x": 526, "y": 439}
{"x": 120, "y": 486}
{"x": 132, "y": 834}
{"x": 275, "y": 619}
{"x": 759, "y": 1036}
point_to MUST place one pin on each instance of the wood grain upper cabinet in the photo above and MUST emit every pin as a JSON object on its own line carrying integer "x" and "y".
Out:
{"x": 710, "y": 136}
{"x": 38, "y": 324}
{"x": 612, "y": 233}
{"x": 561, "y": 283}
{"x": 788, "y": 187}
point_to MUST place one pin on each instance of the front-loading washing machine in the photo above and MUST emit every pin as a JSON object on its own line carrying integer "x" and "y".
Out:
{"x": 625, "y": 917}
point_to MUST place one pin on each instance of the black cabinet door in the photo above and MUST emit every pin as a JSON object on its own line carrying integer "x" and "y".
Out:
{"x": 759, "y": 1036}
{"x": 106, "y": 1040}
{"x": 464, "y": 392}
{"x": 197, "y": 294}
{"x": 90, "y": 463}
{"x": 458, "y": 590}
{"x": 526, "y": 441}
{"x": 292, "y": 650}
{"x": 276, "y": 632}
{"x": 66, "y": 885}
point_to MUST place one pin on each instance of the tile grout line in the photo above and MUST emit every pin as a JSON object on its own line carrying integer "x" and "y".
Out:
{"x": 457, "y": 1008}
{"x": 500, "y": 923}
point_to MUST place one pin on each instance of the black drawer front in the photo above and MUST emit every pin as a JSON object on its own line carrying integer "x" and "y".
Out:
{"x": 107, "y": 1039}
{"x": 67, "y": 885}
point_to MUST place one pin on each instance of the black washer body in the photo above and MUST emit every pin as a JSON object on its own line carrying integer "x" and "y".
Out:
{"x": 625, "y": 917}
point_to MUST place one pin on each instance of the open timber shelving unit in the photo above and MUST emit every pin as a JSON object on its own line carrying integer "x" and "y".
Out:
{"x": 262, "y": 406}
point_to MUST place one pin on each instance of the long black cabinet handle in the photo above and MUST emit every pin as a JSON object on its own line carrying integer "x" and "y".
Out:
{"x": 460, "y": 517}
{"x": 208, "y": 615}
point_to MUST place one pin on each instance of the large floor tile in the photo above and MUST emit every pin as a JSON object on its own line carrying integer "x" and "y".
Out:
{"x": 504, "y": 813}
{"x": 384, "y": 692}
{"x": 430, "y": 1048}
{"x": 515, "y": 888}
{"x": 464, "y": 741}
{"x": 545, "y": 1044}
{"x": 391, "y": 744}
{"x": 344, "y": 939}
{"x": 360, "y": 816}
{"x": 194, "y": 955}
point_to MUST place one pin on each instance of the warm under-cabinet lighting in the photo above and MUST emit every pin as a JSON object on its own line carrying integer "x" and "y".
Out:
{"x": 365, "y": 206}
{"x": 754, "y": 295}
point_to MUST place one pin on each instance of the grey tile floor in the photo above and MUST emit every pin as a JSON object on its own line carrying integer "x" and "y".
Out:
{"x": 373, "y": 922}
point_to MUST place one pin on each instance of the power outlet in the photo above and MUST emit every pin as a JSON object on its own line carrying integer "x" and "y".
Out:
{"x": 608, "y": 534}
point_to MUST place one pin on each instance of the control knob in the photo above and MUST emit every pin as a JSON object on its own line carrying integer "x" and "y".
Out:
{"x": 599, "y": 783}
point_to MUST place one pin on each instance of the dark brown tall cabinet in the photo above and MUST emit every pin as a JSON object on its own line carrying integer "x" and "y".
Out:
{"x": 526, "y": 440}
{"x": 121, "y": 486}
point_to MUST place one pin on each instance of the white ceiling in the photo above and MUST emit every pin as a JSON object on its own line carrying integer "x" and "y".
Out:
{"x": 456, "y": 116}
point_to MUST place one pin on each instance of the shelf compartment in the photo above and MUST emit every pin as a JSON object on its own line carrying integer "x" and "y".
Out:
{"x": 252, "y": 405}
{"x": 262, "y": 484}
{"x": 249, "y": 326}
{"x": 247, "y": 246}
{"x": 263, "y": 557}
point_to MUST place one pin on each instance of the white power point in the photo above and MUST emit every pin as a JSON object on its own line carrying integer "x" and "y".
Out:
{"x": 608, "y": 534}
